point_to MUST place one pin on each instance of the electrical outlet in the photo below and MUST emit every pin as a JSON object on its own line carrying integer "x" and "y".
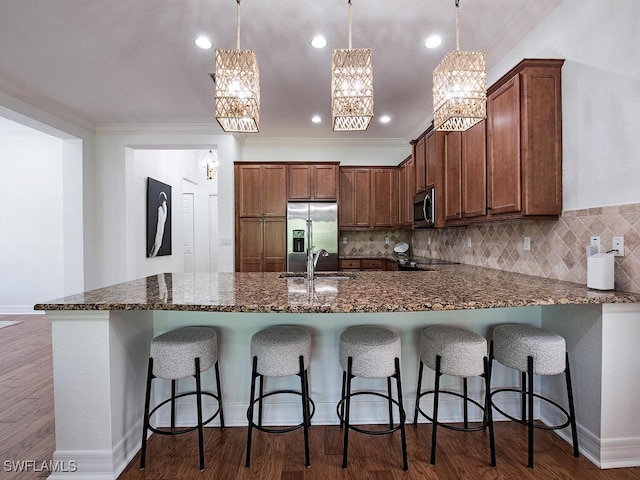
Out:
{"x": 617, "y": 244}
{"x": 429, "y": 241}
{"x": 468, "y": 242}
{"x": 595, "y": 242}
{"x": 386, "y": 240}
{"x": 344, "y": 240}
{"x": 527, "y": 243}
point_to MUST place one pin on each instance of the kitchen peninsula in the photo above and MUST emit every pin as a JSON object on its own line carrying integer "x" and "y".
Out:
{"x": 101, "y": 343}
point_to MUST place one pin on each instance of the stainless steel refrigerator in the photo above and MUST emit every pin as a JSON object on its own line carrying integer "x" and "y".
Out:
{"x": 312, "y": 224}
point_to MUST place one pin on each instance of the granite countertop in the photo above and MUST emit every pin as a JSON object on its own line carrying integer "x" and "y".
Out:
{"x": 440, "y": 287}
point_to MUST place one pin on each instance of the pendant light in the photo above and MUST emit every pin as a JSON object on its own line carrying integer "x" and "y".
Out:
{"x": 237, "y": 92}
{"x": 460, "y": 88}
{"x": 351, "y": 87}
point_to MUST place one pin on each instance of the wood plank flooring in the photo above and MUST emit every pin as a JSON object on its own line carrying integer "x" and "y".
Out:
{"x": 27, "y": 433}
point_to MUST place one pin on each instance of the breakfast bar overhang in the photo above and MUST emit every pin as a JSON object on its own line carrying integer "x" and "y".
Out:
{"x": 101, "y": 344}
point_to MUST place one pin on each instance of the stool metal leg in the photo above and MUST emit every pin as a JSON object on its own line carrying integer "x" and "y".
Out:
{"x": 145, "y": 420}
{"x": 347, "y": 411}
{"x": 402, "y": 416}
{"x": 465, "y": 407}
{"x": 572, "y": 411}
{"x": 489, "y": 410}
{"x": 199, "y": 408}
{"x": 261, "y": 379}
{"x": 250, "y": 411}
{"x": 344, "y": 389}
{"x": 173, "y": 404}
{"x": 390, "y": 402}
{"x": 305, "y": 410}
{"x": 523, "y": 396}
{"x": 530, "y": 401}
{"x": 415, "y": 413}
{"x": 219, "y": 395}
{"x": 434, "y": 422}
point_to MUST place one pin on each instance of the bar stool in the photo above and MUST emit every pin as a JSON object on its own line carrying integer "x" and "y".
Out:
{"x": 181, "y": 353}
{"x": 456, "y": 352}
{"x": 370, "y": 352}
{"x": 533, "y": 351}
{"x": 280, "y": 351}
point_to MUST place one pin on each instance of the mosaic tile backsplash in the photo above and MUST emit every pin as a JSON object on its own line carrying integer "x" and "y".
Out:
{"x": 557, "y": 246}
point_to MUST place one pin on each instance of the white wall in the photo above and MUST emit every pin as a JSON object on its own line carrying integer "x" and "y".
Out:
{"x": 122, "y": 189}
{"x": 31, "y": 218}
{"x": 600, "y": 85}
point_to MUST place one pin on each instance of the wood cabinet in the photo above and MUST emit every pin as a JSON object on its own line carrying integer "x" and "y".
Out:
{"x": 405, "y": 193}
{"x": 354, "y": 206}
{"x": 524, "y": 142}
{"x": 465, "y": 174}
{"x": 368, "y": 198}
{"x": 313, "y": 181}
{"x": 371, "y": 264}
{"x": 420, "y": 166}
{"x": 261, "y": 208}
{"x": 384, "y": 192}
{"x": 350, "y": 264}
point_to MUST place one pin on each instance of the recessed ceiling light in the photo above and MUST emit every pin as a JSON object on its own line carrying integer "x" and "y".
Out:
{"x": 385, "y": 119}
{"x": 316, "y": 119}
{"x": 203, "y": 42}
{"x": 319, "y": 41}
{"x": 433, "y": 41}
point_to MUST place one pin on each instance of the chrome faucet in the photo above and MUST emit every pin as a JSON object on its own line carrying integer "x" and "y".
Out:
{"x": 312, "y": 260}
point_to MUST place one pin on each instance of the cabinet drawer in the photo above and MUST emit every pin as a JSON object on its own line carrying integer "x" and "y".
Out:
{"x": 350, "y": 264}
{"x": 373, "y": 264}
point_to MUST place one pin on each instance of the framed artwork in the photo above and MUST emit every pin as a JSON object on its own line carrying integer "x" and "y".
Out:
{"x": 158, "y": 218}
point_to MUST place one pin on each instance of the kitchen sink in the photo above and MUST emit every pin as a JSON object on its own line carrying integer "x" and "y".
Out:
{"x": 323, "y": 276}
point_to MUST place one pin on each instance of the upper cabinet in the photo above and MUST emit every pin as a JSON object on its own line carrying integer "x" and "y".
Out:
{"x": 524, "y": 142}
{"x": 313, "y": 181}
{"x": 368, "y": 198}
{"x": 260, "y": 190}
{"x": 420, "y": 165}
{"x": 406, "y": 183}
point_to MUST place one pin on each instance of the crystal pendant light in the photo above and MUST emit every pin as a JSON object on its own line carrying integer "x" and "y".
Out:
{"x": 351, "y": 87}
{"x": 237, "y": 91}
{"x": 460, "y": 88}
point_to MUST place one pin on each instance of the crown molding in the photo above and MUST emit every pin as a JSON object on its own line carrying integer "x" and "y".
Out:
{"x": 270, "y": 142}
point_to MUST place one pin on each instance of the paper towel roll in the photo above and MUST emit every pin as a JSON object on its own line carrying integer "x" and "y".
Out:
{"x": 600, "y": 271}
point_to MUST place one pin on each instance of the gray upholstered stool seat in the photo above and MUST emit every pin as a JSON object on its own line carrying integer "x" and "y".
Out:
{"x": 369, "y": 351}
{"x": 514, "y": 343}
{"x": 533, "y": 351}
{"x": 177, "y": 354}
{"x": 280, "y": 351}
{"x": 174, "y": 352}
{"x": 373, "y": 350}
{"x": 462, "y": 351}
{"x": 458, "y": 352}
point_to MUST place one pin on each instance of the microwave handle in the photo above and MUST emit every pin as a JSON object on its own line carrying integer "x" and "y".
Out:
{"x": 424, "y": 207}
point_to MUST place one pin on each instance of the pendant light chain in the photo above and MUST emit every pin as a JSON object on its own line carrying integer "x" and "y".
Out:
{"x": 350, "y": 25}
{"x": 238, "y": 25}
{"x": 457, "y": 25}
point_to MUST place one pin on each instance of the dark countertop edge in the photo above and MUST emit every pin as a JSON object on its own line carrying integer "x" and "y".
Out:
{"x": 346, "y": 308}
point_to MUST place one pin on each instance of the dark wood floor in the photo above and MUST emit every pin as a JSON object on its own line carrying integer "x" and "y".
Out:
{"x": 27, "y": 433}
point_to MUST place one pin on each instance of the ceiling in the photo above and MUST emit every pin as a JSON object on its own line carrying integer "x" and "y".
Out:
{"x": 98, "y": 62}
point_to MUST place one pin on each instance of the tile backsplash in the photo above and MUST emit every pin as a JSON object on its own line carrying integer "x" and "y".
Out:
{"x": 557, "y": 246}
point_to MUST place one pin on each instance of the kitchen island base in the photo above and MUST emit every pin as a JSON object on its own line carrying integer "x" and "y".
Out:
{"x": 100, "y": 360}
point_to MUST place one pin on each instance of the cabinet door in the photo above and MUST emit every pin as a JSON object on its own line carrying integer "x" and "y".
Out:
{"x": 325, "y": 182}
{"x": 249, "y": 190}
{"x": 503, "y": 148}
{"x": 420, "y": 166}
{"x": 384, "y": 187}
{"x": 346, "y": 203}
{"x": 474, "y": 173}
{"x": 300, "y": 182}
{"x": 402, "y": 194}
{"x": 275, "y": 245}
{"x": 453, "y": 176}
{"x": 431, "y": 155}
{"x": 362, "y": 197}
{"x": 250, "y": 240}
{"x": 273, "y": 190}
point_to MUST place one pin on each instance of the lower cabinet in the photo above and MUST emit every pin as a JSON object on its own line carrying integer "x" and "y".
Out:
{"x": 262, "y": 245}
{"x": 369, "y": 264}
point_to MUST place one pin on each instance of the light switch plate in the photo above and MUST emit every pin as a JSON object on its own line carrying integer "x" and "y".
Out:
{"x": 595, "y": 242}
{"x": 618, "y": 244}
{"x": 527, "y": 243}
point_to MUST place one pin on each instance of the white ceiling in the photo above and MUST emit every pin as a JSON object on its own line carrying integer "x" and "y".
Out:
{"x": 96, "y": 62}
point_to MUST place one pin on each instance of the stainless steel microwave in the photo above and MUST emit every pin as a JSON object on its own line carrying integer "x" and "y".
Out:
{"x": 424, "y": 209}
